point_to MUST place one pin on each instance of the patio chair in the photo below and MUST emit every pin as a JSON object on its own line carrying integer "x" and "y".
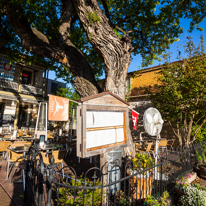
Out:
{"x": 170, "y": 143}
{"x": 15, "y": 160}
{"x": 58, "y": 158}
{"x": 163, "y": 144}
{"x": 3, "y": 148}
{"x": 20, "y": 133}
{"x": 50, "y": 137}
{"x": 147, "y": 148}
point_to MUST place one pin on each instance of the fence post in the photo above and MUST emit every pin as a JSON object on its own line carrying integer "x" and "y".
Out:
{"x": 50, "y": 180}
{"x": 161, "y": 176}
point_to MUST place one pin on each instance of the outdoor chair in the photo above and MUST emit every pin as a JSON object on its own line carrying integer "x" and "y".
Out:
{"x": 20, "y": 133}
{"x": 3, "y": 148}
{"x": 58, "y": 158}
{"x": 16, "y": 160}
{"x": 27, "y": 134}
{"x": 170, "y": 143}
{"x": 147, "y": 148}
{"x": 50, "y": 137}
{"x": 163, "y": 144}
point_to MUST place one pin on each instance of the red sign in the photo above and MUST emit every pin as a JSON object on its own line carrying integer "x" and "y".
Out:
{"x": 58, "y": 108}
{"x": 25, "y": 75}
{"x": 134, "y": 119}
{"x": 7, "y": 67}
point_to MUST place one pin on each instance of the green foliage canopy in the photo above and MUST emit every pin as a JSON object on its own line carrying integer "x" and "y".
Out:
{"x": 152, "y": 24}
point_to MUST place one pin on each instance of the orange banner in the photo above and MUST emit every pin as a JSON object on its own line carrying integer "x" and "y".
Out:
{"x": 58, "y": 108}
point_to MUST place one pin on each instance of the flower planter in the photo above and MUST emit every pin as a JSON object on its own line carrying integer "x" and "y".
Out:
{"x": 141, "y": 186}
{"x": 179, "y": 193}
{"x": 202, "y": 172}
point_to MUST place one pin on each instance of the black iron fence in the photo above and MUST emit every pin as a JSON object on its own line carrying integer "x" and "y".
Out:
{"x": 126, "y": 184}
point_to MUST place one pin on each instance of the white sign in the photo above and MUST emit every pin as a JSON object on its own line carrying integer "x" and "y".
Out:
{"x": 104, "y": 128}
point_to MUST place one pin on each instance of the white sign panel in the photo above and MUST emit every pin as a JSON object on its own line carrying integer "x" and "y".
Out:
{"x": 104, "y": 128}
{"x": 103, "y": 119}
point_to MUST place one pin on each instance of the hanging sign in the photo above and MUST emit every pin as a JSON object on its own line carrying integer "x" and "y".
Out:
{"x": 134, "y": 119}
{"x": 7, "y": 70}
{"x": 58, "y": 108}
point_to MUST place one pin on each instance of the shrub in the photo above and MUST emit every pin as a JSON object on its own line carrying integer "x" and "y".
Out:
{"x": 160, "y": 201}
{"x": 89, "y": 195}
{"x": 193, "y": 196}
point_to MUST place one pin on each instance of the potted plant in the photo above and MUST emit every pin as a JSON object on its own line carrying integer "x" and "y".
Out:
{"x": 141, "y": 184}
{"x": 202, "y": 164}
{"x": 188, "y": 195}
{"x": 179, "y": 188}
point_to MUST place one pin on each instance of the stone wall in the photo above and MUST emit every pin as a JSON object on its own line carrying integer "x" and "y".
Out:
{"x": 140, "y": 105}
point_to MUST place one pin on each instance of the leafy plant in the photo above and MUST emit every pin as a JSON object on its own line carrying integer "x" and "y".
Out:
{"x": 201, "y": 135}
{"x": 193, "y": 196}
{"x": 199, "y": 187}
{"x": 201, "y": 159}
{"x": 143, "y": 161}
{"x": 71, "y": 196}
{"x": 160, "y": 201}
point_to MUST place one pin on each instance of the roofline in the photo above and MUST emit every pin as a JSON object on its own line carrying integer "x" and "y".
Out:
{"x": 156, "y": 67}
{"x": 102, "y": 94}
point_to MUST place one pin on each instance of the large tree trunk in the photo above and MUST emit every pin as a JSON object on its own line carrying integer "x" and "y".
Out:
{"x": 115, "y": 52}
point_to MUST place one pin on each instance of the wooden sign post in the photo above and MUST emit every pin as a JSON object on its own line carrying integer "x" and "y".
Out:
{"x": 102, "y": 126}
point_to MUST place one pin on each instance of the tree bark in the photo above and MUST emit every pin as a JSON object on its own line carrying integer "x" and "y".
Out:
{"x": 115, "y": 52}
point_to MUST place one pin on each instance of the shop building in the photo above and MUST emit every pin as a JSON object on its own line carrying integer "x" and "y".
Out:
{"x": 21, "y": 89}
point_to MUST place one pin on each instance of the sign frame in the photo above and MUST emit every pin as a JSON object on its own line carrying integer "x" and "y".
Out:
{"x": 82, "y": 150}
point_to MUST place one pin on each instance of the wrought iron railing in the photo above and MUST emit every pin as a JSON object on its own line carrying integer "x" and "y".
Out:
{"x": 127, "y": 185}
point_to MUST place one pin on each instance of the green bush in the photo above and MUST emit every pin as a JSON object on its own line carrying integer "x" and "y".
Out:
{"x": 201, "y": 135}
{"x": 79, "y": 194}
{"x": 159, "y": 201}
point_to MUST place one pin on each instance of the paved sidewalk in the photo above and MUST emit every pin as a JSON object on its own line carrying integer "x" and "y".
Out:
{"x": 5, "y": 200}
{"x": 10, "y": 194}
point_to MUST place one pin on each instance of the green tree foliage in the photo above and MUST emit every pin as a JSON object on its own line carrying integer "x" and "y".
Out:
{"x": 182, "y": 93}
{"x": 152, "y": 24}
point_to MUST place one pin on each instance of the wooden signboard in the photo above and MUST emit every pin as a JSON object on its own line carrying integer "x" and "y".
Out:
{"x": 102, "y": 124}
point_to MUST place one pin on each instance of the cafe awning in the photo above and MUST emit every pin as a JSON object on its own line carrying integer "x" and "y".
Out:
{"x": 8, "y": 95}
{"x": 22, "y": 97}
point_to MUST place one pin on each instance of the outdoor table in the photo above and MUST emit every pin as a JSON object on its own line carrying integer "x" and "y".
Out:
{"x": 20, "y": 149}
{"x": 3, "y": 134}
{"x": 9, "y": 139}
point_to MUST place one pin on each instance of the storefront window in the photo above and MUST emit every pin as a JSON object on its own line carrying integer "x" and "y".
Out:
{"x": 26, "y": 77}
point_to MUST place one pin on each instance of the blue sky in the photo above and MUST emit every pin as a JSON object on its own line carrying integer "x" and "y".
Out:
{"x": 136, "y": 62}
